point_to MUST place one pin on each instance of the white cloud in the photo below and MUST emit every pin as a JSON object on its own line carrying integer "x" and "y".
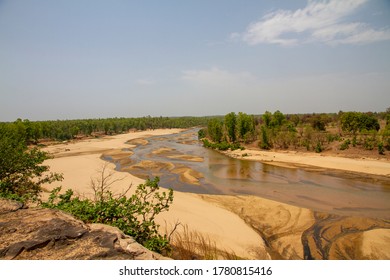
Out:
{"x": 322, "y": 21}
{"x": 218, "y": 77}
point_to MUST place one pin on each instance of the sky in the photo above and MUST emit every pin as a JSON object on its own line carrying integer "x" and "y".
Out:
{"x": 72, "y": 59}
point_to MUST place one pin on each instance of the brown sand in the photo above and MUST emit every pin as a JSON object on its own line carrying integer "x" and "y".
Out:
{"x": 368, "y": 166}
{"x": 225, "y": 228}
{"x": 238, "y": 223}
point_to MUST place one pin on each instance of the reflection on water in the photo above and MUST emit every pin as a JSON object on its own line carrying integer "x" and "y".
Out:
{"x": 334, "y": 193}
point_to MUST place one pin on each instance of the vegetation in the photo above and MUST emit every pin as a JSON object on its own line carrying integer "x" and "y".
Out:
{"x": 70, "y": 129}
{"x": 22, "y": 174}
{"x": 134, "y": 215}
{"x": 21, "y": 171}
{"x": 313, "y": 132}
{"x": 222, "y": 146}
{"x": 192, "y": 245}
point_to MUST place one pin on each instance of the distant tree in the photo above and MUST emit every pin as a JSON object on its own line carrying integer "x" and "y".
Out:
{"x": 264, "y": 143}
{"x": 214, "y": 129}
{"x": 278, "y": 118}
{"x": 267, "y": 118}
{"x": 201, "y": 134}
{"x": 231, "y": 124}
{"x": 318, "y": 123}
{"x": 245, "y": 126}
{"x": 356, "y": 121}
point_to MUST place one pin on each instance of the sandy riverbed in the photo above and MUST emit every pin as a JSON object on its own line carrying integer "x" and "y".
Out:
{"x": 238, "y": 223}
{"x": 293, "y": 160}
{"x": 81, "y": 161}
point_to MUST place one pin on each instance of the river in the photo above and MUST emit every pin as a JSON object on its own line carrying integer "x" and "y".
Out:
{"x": 329, "y": 191}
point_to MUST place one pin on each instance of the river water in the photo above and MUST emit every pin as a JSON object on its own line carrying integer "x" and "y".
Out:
{"x": 320, "y": 190}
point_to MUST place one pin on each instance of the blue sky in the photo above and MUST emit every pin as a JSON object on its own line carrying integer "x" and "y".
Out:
{"x": 92, "y": 59}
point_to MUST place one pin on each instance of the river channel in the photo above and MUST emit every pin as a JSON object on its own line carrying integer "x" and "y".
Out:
{"x": 329, "y": 191}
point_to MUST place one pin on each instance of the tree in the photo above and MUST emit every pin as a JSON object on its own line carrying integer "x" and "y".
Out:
{"x": 245, "y": 126}
{"x": 278, "y": 119}
{"x": 318, "y": 123}
{"x": 356, "y": 121}
{"x": 264, "y": 143}
{"x": 230, "y": 124}
{"x": 267, "y": 118}
{"x": 21, "y": 169}
{"x": 214, "y": 129}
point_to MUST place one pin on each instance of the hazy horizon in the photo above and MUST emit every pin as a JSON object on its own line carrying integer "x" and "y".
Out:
{"x": 98, "y": 59}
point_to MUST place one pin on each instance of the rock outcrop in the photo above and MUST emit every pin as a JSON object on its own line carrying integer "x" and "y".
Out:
{"x": 47, "y": 234}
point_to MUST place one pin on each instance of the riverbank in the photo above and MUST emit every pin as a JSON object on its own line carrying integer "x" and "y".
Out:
{"x": 81, "y": 160}
{"x": 292, "y": 159}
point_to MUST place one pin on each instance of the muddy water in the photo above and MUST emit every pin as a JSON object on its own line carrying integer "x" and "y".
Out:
{"x": 320, "y": 190}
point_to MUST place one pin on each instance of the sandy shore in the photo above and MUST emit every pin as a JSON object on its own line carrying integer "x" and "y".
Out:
{"x": 294, "y": 160}
{"x": 80, "y": 162}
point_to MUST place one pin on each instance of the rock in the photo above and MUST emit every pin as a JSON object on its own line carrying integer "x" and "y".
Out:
{"x": 9, "y": 206}
{"x": 48, "y": 234}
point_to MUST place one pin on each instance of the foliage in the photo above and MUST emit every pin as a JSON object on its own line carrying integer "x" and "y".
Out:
{"x": 356, "y": 121}
{"x": 222, "y": 146}
{"x": 245, "y": 127}
{"x": 369, "y": 143}
{"x": 69, "y": 129}
{"x": 267, "y": 118}
{"x": 21, "y": 169}
{"x": 381, "y": 149}
{"x": 275, "y": 120}
{"x": 345, "y": 145}
{"x": 318, "y": 122}
{"x": 201, "y": 134}
{"x": 134, "y": 215}
{"x": 278, "y": 119}
{"x": 214, "y": 130}
{"x": 230, "y": 124}
{"x": 319, "y": 148}
{"x": 264, "y": 143}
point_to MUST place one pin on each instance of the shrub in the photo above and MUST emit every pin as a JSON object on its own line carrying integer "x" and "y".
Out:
{"x": 381, "y": 148}
{"x": 345, "y": 145}
{"x": 318, "y": 148}
{"x": 134, "y": 215}
{"x": 201, "y": 134}
{"x": 21, "y": 169}
{"x": 264, "y": 143}
{"x": 369, "y": 143}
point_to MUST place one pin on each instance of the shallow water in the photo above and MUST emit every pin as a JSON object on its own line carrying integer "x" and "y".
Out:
{"x": 329, "y": 191}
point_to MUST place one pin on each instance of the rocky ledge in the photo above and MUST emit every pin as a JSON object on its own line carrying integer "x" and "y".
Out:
{"x": 47, "y": 234}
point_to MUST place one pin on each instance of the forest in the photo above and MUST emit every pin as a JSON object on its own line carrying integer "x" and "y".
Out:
{"x": 310, "y": 132}
{"x": 33, "y": 131}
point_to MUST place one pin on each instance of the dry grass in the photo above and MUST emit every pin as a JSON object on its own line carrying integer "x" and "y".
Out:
{"x": 193, "y": 245}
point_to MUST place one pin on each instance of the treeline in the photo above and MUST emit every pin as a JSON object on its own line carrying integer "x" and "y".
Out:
{"x": 33, "y": 131}
{"x": 313, "y": 132}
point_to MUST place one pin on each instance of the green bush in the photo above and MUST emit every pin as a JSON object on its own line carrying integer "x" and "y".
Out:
{"x": 369, "y": 143}
{"x": 201, "y": 134}
{"x": 21, "y": 170}
{"x": 381, "y": 148}
{"x": 223, "y": 146}
{"x": 134, "y": 215}
{"x": 319, "y": 148}
{"x": 264, "y": 143}
{"x": 345, "y": 145}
